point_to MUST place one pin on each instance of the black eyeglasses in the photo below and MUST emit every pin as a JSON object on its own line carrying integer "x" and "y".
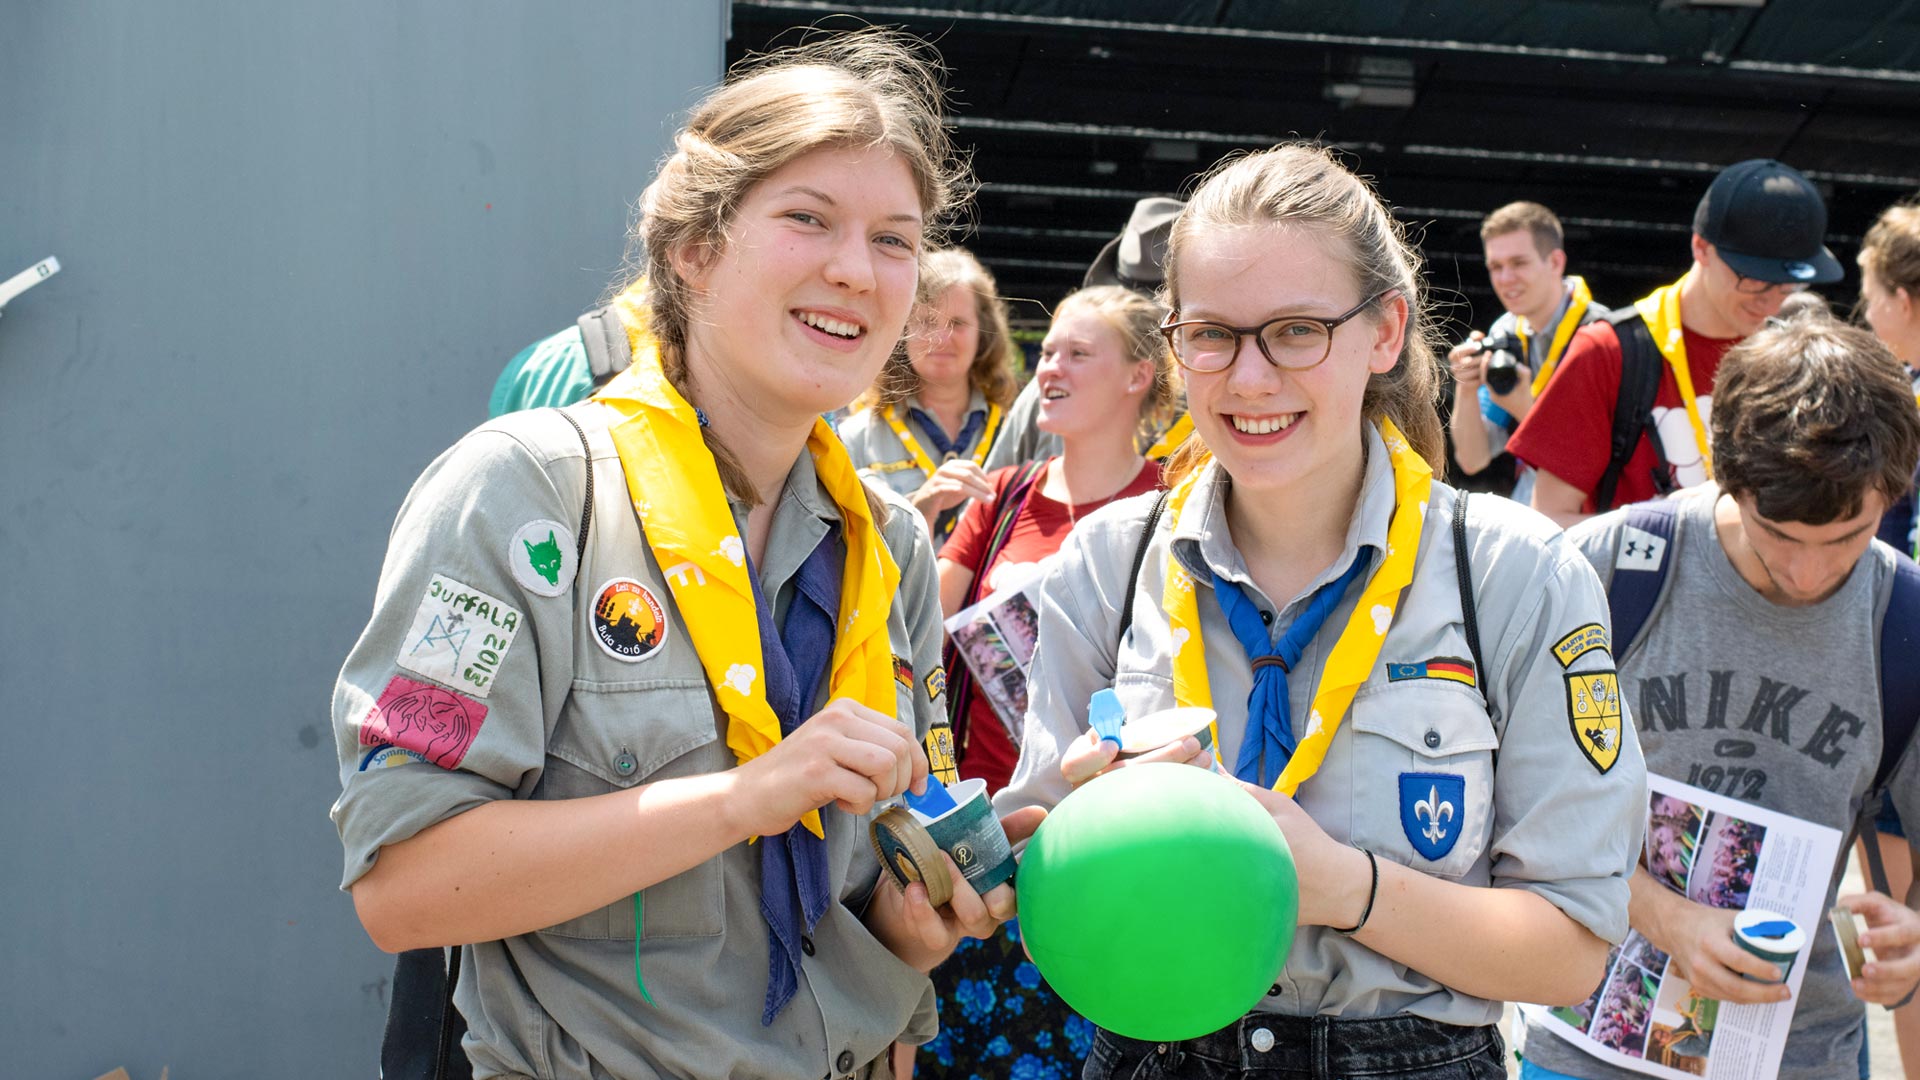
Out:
{"x": 1290, "y": 342}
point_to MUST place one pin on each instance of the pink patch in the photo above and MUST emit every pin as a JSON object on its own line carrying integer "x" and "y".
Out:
{"x": 434, "y": 722}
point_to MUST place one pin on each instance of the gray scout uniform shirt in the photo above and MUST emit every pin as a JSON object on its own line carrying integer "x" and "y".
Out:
{"x": 485, "y": 631}
{"x": 879, "y": 454}
{"x": 1549, "y": 820}
{"x": 1777, "y": 706}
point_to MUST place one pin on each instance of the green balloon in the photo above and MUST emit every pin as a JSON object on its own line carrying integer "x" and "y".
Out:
{"x": 1159, "y": 901}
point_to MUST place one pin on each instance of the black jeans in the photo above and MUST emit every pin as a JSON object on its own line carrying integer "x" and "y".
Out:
{"x": 1308, "y": 1048}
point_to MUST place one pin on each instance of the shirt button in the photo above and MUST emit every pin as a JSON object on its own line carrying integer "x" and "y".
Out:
{"x": 1267, "y": 617}
{"x": 806, "y": 946}
{"x": 1274, "y": 990}
{"x": 1433, "y": 739}
{"x": 844, "y": 1062}
{"x": 624, "y": 764}
{"x": 1262, "y": 1039}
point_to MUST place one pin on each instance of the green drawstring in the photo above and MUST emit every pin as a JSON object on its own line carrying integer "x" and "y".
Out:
{"x": 637, "y": 980}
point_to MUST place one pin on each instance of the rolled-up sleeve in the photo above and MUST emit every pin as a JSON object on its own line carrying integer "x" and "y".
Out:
{"x": 1568, "y": 817}
{"x": 440, "y": 705}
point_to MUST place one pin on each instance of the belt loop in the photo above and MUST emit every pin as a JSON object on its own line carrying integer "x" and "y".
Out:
{"x": 1317, "y": 1049}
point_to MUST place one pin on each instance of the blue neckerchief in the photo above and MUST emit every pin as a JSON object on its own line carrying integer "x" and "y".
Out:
{"x": 795, "y": 886}
{"x": 1269, "y": 741}
{"x": 937, "y": 435}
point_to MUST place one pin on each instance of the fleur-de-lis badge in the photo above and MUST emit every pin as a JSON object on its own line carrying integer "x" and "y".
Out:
{"x": 1433, "y": 810}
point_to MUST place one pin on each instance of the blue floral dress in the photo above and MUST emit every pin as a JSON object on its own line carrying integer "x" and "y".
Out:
{"x": 999, "y": 1020}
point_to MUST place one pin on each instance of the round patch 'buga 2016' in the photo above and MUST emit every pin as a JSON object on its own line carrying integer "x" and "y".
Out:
{"x": 543, "y": 557}
{"x": 628, "y": 621}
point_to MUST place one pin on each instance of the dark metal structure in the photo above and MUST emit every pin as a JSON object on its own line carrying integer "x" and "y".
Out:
{"x": 1615, "y": 113}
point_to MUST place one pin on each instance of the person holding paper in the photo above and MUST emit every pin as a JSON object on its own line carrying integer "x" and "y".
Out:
{"x": 1104, "y": 377}
{"x": 1755, "y": 674}
{"x": 1304, "y": 582}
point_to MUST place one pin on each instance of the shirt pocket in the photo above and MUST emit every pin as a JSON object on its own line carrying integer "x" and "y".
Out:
{"x": 1423, "y": 777}
{"x": 616, "y": 736}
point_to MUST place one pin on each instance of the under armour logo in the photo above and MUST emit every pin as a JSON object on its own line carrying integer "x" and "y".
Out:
{"x": 1641, "y": 550}
{"x": 1433, "y": 810}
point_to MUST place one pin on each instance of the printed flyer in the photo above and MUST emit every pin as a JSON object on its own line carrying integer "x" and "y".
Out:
{"x": 995, "y": 637}
{"x": 1726, "y": 854}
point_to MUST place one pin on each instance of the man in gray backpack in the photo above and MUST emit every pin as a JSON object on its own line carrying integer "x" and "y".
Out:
{"x": 1750, "y": 627}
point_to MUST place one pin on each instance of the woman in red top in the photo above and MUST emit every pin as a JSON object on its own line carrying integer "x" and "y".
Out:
{"x": 1105, "y": 386}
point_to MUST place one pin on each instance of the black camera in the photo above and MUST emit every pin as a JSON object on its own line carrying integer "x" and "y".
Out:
{"x": 1503, "y": 367}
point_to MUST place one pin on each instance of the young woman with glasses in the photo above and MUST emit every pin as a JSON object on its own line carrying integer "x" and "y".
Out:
{"x": 1462, "y": 822}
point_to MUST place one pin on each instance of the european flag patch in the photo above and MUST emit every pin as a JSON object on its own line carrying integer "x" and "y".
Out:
{"x": 1451, "y": 668}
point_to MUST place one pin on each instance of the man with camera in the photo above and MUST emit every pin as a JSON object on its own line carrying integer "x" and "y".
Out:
{"x": 1625, "y": 419}
{"x": 1497, "y": 374}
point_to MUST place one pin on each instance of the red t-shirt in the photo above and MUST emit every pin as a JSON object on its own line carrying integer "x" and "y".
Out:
{"x": 1038, "y": 531}
{"x": 1569, "y": 430}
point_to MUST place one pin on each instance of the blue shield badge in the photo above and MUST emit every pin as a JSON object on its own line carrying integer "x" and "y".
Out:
{"x": 1432, "y": 808}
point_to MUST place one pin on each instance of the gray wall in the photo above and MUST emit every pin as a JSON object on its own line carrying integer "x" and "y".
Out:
{"x": 299, "y": 241}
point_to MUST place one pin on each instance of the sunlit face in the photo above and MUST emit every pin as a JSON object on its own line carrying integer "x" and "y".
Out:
{"x": 944, "y": 338}
{"x": 1086, "y": 380}
{"x": 1807, "y": 563}
{"x": 1526, "y": 281}
{"x": 1893, "y": 314}
{"x": 1736, "y": 314}
{"x": 1275, "y": 430}
{"x": 795, "y": 315}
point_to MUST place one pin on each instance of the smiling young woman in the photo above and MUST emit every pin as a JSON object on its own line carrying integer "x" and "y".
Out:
{"x": 582, "y": 714}
{"x": 1305, "y": 526}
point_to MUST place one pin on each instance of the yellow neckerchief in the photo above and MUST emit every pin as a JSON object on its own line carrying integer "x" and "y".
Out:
{"x": 1660, "y": 309}
{"x": 919, "y": 454}
{"x": 1576, "y": 308}
{"x": 1359, "y": 644}
{"x": 1171, "y": 440}
{"x": 677, "y": 495}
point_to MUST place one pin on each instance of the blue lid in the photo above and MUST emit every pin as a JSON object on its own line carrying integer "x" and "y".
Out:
{"x": 935, "y": 802}
{"x": 1105, "y": 715}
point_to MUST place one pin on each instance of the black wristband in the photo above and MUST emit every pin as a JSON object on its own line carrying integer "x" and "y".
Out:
{"x": 1373, "y": 893}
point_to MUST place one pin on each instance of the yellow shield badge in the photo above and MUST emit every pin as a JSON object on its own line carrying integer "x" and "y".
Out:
{"x": 1593, "y": 710}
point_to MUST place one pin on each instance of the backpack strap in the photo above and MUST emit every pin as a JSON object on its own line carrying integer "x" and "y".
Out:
{"x": 1899, "y": 708}
{"x": 1641, "y": 558}
{"x": 1469, "y": 609}
{"x": 608, "y": 353}
{"x": 1006, "y": 510}
{"x": 1139, "y": 559}
{"x": 1640, "y": 374}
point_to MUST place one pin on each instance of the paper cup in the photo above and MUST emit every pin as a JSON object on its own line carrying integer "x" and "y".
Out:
{"x": 1155, "y": 730}
{"x": 972, "y": 835}
{"x": 1771, "y": 937}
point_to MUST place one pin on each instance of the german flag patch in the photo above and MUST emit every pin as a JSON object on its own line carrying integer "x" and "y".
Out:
{"x": 1449, "y": 668}
{"x": 903, "y": 672}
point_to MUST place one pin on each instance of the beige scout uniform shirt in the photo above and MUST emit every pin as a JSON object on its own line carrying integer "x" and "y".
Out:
{"x": 566, "y": 717}
{"x": 1547, "y": 820}
{"x": 879, "y": 454}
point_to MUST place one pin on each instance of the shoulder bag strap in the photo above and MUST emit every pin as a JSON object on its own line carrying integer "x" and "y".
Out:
{"x": 1469, "y": 610}
{"x": 1139, "y": 559}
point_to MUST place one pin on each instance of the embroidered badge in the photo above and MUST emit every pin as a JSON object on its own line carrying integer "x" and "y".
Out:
{"x": 1581, "y": 642}
{"x": 1593, "y": 710}
{"x": 628, "y": 621}
{"x": 1432, "y": 809}
{"x": 903, "y": 672}
{"x": 1450, "y": 668}
{"x": 460, "y": 636}
{"x": 385, "y": 756}
{"x": 1640, "y": 550}
{"x": 431, "y": 721}
{"x": 544, "y": 557}
{"x": 936, "y": 682}
{"x": 940, "y": 758}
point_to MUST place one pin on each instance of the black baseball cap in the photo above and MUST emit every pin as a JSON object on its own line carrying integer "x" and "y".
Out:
{"x": 1768, "y": 223}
